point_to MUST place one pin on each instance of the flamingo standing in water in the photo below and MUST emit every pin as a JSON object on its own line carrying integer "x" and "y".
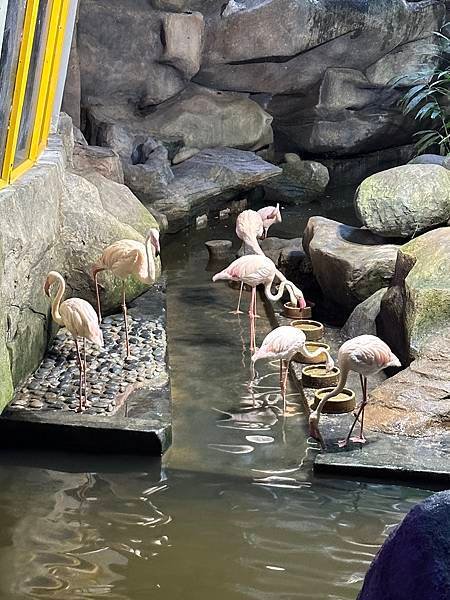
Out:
{"x": 254, "y": 270}
{"x": 284, "y": 343}
{"x": 80, "y": 319}
{"x": 125, "y": 258}
{"x": 249, "y": 227}
{"x": 366, "y": 355}
{"x": 270, "y": 215}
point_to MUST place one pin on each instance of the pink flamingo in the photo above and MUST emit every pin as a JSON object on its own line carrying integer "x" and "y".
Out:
{"x": 366, "y": 355}
{"x": 284, "y": 343}
{"x": 80, "y": 319}
{"x": 125, "y": 258}
{"x": 249, "y": 227}
{"x": 270, "y": 215}
{"x": 254, "y": 270}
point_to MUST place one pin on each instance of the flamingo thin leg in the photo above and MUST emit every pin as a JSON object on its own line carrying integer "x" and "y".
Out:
{"x": 97, "y": 292}
{"x": 80, "y": 366}
{"x": 238, "y": 311}
{"x": 124, "y": 309}
{"x": 251, "y": 315}
{"x": 361, "y": 439}
{"x": 84, "y": 372}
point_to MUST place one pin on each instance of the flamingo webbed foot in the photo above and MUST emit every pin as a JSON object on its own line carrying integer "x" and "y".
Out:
{"x": 236, "y": 312}
{"x": 358, "y": 439}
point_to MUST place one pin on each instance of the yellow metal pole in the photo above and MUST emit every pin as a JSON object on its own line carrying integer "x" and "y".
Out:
{"x": 53, "y": 82}
{"x": 20, "y": 87}
{"x": 45, "y": 77}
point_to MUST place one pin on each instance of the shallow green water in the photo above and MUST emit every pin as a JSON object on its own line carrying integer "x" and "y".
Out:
{"x": 233, "y": 513}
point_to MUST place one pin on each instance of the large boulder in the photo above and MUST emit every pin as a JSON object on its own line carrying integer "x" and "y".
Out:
{"x": 300, "y": 181}
{"x": 203, "y": 182}
{"x": 350, "y": 264}
{"x": 413, "y": 562}
{"x": 417, "y": 305}
{"x": 416, "y": 401}
{"x": 404, "y": 201}
{"x": 431, "y": 159}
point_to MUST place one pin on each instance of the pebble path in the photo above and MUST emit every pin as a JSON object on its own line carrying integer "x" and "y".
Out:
{"x": 54, "y": 385}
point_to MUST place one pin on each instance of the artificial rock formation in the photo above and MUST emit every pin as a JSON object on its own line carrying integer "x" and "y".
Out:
{"x": 404, "y": 201}
{"x": 300, "y": 181}
{"x": 350, "y": 264}
{"x": 362, "y": 321}
{"x": 310, "y": 65}
{"x": 417, "y": 304}
{"x": 416, "y": 401}
{"x": 74, "y": 217}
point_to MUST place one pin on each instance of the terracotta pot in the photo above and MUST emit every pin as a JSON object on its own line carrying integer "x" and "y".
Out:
{"x": 317, "y": 376}
{"x": 312, "y": 347}
{"x": 294, "y": 312}
{"x": 313, "y": 330}
{"x": 344, "y": 402}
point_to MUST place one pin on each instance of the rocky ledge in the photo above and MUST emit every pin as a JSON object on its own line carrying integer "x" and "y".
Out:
{"x": 128, "y": 399}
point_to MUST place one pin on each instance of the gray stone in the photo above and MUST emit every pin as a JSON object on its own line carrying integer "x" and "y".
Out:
{"x": 219, "y": 249}
{"x": 350, "y": 264}
{"x": 404, "y": 201}
{"x": 184, "y": 154}
{"x": 119, "y": 67}
{"x": 98, "y": 158}
{"x": 362, "y": 319}
{"x": 183, "y": 41}
{"x": 205, "y": 180}
{"x": 300, "y": 181}
{"x": 431, "y": 159}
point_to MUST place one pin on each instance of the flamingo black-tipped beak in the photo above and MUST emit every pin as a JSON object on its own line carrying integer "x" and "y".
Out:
{"x": 47, "y": 288}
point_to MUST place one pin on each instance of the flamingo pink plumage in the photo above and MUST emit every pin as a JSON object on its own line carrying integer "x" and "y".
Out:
{"x": 270, "y": 215}
{"x": 249, "y": 227}
{"x": 282, "y": 344}
{"x": 366, "y": 355}
{"x": 255, "y": 270}
{"x": 79, "y": 318}
{"x": 125, "y": 258}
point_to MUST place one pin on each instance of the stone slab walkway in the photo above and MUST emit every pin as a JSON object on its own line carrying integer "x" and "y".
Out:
{"x": 129, "y": 400}
{"x": 383, "y": 456}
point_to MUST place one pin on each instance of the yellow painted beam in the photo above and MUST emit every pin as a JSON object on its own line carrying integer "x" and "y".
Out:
{"x": 20, "y": 87}
{"x": 54, "y": 72}
{"x": 46, "y": 73}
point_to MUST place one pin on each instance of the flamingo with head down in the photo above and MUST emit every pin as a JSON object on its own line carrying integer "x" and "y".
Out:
{"x": 249, "y": 227}
{"x": 366, "y": 355}
{"x": 270, "y": 215}
{"x": 254, "y": 270}
{"x": 282, "y": 344}
{"x": 125, "y": 258}
{"x": 80, "y": 319}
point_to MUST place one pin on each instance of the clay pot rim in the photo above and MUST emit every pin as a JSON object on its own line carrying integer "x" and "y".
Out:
{"x": 298, "y": 322}
{"x": 323, "y": 345}
{"x": 331, "y": 373}
{"x": 347, "y": 391}
{"x": 309, "y": 304}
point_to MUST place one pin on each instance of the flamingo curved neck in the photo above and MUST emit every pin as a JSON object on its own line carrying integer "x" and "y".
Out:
{"x": 57, "y": 301}
{"x": 337, "y": 390}
{"x": 268, "y": 291}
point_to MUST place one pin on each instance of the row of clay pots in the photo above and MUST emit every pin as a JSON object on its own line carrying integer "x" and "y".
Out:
{"x": 315, "y": 375}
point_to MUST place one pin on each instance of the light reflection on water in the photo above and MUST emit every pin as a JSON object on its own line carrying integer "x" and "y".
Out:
{"x": 233, "y": 513}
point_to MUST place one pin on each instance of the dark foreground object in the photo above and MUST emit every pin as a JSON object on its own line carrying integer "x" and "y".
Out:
{"x": 414, "y": 562}
{"x": 141, "y": 422}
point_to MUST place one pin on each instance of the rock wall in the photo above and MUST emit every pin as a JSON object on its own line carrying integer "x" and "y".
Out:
{"x": 320, "y": 70}
{"x": 53, "y": 218}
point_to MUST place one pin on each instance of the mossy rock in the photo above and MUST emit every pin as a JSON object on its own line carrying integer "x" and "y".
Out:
{"x": 417, "y": 304}
{"x": 6, "y": 384}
